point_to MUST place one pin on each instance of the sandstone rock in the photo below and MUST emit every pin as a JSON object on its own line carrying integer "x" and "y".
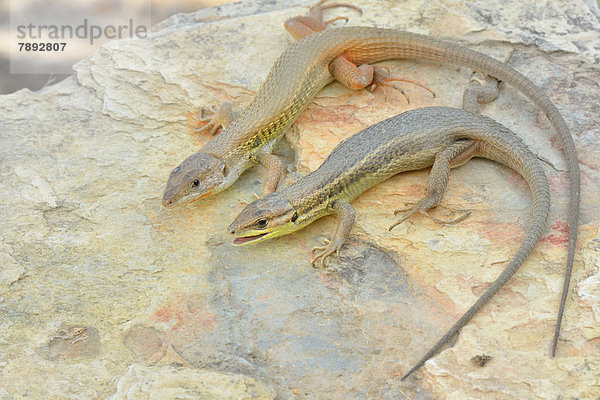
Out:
{"x": 143, "y": 382}
{"x": 177, "y": 309}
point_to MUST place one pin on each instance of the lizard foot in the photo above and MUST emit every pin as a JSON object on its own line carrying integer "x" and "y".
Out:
{"x": 318, "y": 8}
{"x": 381, "y": 78}
{"x": 335, "y": 19}
{"x": 245, "y": 203}
{"x": 322, "y": 252}
{"x": 482, "y": 89}
{"x": 305, "y": 25}
{"x": 423, "y": 207}
{"x": 220, "y": 116}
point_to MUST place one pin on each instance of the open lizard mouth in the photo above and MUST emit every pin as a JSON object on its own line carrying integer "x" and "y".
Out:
{"x": 247, "y": 239}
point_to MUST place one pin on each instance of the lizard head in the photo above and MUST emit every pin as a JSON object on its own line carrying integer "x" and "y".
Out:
{"x": 265, "y": 218}
{"x": 196, "y": 177}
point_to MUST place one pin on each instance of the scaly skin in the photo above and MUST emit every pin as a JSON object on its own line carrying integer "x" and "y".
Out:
{"x": 298, "y": 75}
{"x": 438, "y": 136}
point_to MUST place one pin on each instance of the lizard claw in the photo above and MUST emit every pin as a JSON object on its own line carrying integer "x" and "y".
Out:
{"x": 245, "y": 203}
{"x": 382, "y": 79}
{"x": 220, "y": 117}
{"x": 478, "y": 77}
{"x": 303, "y": 26}
{"x": 335, "y": 19}
{"x": 322, "y": 252}
{"x": 320, "y": 6}
{"x": 422, "y": 207}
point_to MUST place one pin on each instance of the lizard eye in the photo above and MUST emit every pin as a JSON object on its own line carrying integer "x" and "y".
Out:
{"x": 294, "y": 217}
{"x": 196, "y": 183}
{"x": 262, "y": 223}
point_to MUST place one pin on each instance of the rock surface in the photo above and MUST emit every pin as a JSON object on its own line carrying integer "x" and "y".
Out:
{"x": 104, "y": 294}
{"x": 144, "y": 382}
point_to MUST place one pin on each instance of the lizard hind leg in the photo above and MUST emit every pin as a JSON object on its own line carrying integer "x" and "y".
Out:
{"x": 320, "y": 6}
{"x": 481, "y": 90}
{"x": 305, "y": 25}
{"x": 366, "y": 76}
{"x": 455, "y": 155}
{"x": 276, "y": 171}
{"x": 352, "y": 76}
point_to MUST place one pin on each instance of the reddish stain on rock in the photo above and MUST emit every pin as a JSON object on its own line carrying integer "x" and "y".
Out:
{"x": 189, "y": 311}
{"x": 559, "y": 235}
{"x": 342, "y": 114}
{"x": 330, "y": 281}
{"x": 163, "y": 315}
{"x": 498, "y": 232}
{"x": 559, "y": 181}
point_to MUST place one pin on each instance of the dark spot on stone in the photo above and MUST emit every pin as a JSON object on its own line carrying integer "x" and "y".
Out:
{"x": 481, "y": 360}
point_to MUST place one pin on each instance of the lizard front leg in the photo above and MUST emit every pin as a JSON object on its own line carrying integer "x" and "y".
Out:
{"x": 347, "y": 217}
{"x": 220, "y": 117}
{"x": 275, "y": 171}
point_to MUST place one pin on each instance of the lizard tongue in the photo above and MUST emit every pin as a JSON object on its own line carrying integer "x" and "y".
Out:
{"x": 246, "y": 239}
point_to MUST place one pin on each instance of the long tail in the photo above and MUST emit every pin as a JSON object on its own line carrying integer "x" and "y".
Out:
{"x": 411, "y": 45}
{"x": 531, "y": 170}
{"x": 471, "y": 59}
{"x": 365, "y": 44}
{"x": 414, "y": 46}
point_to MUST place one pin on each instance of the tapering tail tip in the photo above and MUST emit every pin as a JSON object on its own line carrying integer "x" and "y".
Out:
{"x": 410, "y": 371}
{"x": 555, "y": 340}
